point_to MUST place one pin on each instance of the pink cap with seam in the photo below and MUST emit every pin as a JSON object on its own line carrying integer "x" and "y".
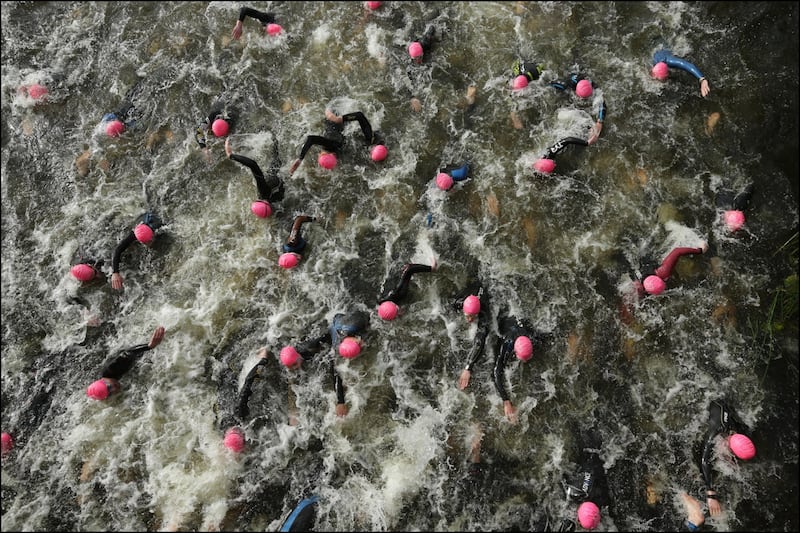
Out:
{"x": 654, "y": 285}
{"x": 415, "y": 50}
{"x": 220, "y": 127}
{"x": 589, "y": 515}
{"x": 289, "y": 356}
{"x": 349, "y": 348}
{"x": 741, "y": 446}
{"x": 327, "y": 160}
{"x": 261, "y": 208}
{"x": 388, "y": 310}
{"x": 82, "y": 272}
{"x": 544, "y": 165}
{"x": 144, "y": 233}
{"x": 234, "y": 440}
{"x": 660, "y": 71}
{"x": 115, "y": 128}
{"x": 523, "y": 348}
{"x": 734, "y": 219}
{"x": 472, "y": 305}
{"x": 97, "y": 390}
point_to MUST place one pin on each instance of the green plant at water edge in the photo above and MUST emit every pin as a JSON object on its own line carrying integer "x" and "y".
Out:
{"x": 782, "y": 318}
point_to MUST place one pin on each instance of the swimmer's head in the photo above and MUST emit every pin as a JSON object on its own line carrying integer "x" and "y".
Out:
{"x": 654, "y": 285}
{"x": 349, "y": 348}
{"x": 288, "y": 260}
{"x": 444, "y": 181}
{"x": 83, "y": 272}
{"x": 220, "y": 127}
{"x": 327, "y": 160}
{"x": 37, "y": 92}
{"x": 273, "y": 29}
{"x": 144, "y": 233}
{"x": 7, "y": 443}
{"x": 373, "y": 5}
{"x": 734, "y": 219}
{"x": 544, "y": 165}
{"x": 741, "y": 446}
{"x": 589, "y": 515}
{"x": 584, "y": 89}
{"x": 261, "y": 208}
{"x": 471, "y": 306}
{"x": 100, "y": 389}
{"x": 289, "y": 356}
{"x": 660, "y": 71}
{"x": 388, "y": 310}
{"x": 523, "y": 348}
{"x": 415, "y": 50}
{"x": 520, "y": 82}
{"x": 234, "y": 440}
{"x": 115, "y": 128}
{"x": 379, "y": 152}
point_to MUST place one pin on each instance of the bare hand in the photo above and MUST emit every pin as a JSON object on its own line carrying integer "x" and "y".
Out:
{"x": 294, "y": 166}
{"x": 341, "y": 409}
{"x": 262, "y": 353}
{"x": 416, "y": 105}
{"x": 463, "y": 380}
{"x": 510, "y": 411}
{"x": 594, "y": 133}
{"x": 207, "y": 155}
{"x": 714, "y": 508}
{"x": 116, "y": 281}
{"x": 158, "y": 336}
{"x": 237, "y": 30}
{"x": 228, "y": 149}
{"x": 333, "y": 117}
{"x": 704, "y": 88}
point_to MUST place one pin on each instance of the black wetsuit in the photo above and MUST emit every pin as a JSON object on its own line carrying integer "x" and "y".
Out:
{"x": 399, "y": 291}
{"x": 150, "y": 220}
{"x": 219, "y": 110}
{"x": 124, "y": 361}
{"x": 721, "y": 420}
{"x": 261, "y": 16}
{"x": 530, "y": 69}
{"x": 257, "y": 372}
{"x": 272, "y": 189}
{"x": 484, "y": 320}
{"x": 332, "y": 139}
{"x": 342, "y": 325}
{"x": 509, "y": 328}
{"x": 295, "y": 242}
{"x": 589, "y": 483}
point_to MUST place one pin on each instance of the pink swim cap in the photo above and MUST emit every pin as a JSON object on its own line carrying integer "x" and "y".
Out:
{"x": 472, "y": 305}
{"x": 327, "y": 160}
{"x": 82, "y": 272}
{"x": 388, "y": 310}
{"x": 349, "y": 348}
{"x": 741, "y": 446}
{"x": 734, "y": 220}
{"x": 584, "y": 89}
{"x": 545, "y": 166}
{"x": 520, "y": 82}
{"x": 373, "y": 5}
{"x": 261, "y": 208}
{"x": 234, "y": 440}
{"x": 589, "y": 515}
{"x": 37, "y": 91}
{"x": 523, "y": 348}
{"x": 415, "y": 50}
{"x": 97, "y": 390}
{"x": 379, "y": 152}
{"x": 273, "y": 29}
{"x": 7, "y": 442}
{"x": 115, "y": 128}
{"x": 289, "y": 356}
{"x": 288, "y": 260}
{"x": 654, "y": 285}
{"x": 444, "y": 181}
{"x": 144, "y": 233}
{"x": 660, "y": 71}
{"x": 219, "y": 127}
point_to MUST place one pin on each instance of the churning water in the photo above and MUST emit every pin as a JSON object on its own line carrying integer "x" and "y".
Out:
{"x": 554, "y": 249}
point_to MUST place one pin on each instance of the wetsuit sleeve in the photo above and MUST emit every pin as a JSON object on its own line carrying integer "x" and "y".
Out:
{"x": 328, "y": 144}
{"x": 366, "y": 127}
{"x": 312, "y": 346}
{"x": 742, "y": 200}
{"x": 261, "y": 183}
{"x": 478, "y": 346}
{"x": 401, "y": 289}
{"x": 121, "y": 247}
{"x": 498, "y": 373}
{"x": 676, "y": 62}
{"x": 601, "y": 111}
{"x": 242, "y": 408}
{"x": 338, "y": 385}
{"x": 705, "y": 462}
{"x": 562, "y": 145}
{"x": 264, "y": 18}
{"x": 123, "y": 361}
{"x": 664, "y": 271}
